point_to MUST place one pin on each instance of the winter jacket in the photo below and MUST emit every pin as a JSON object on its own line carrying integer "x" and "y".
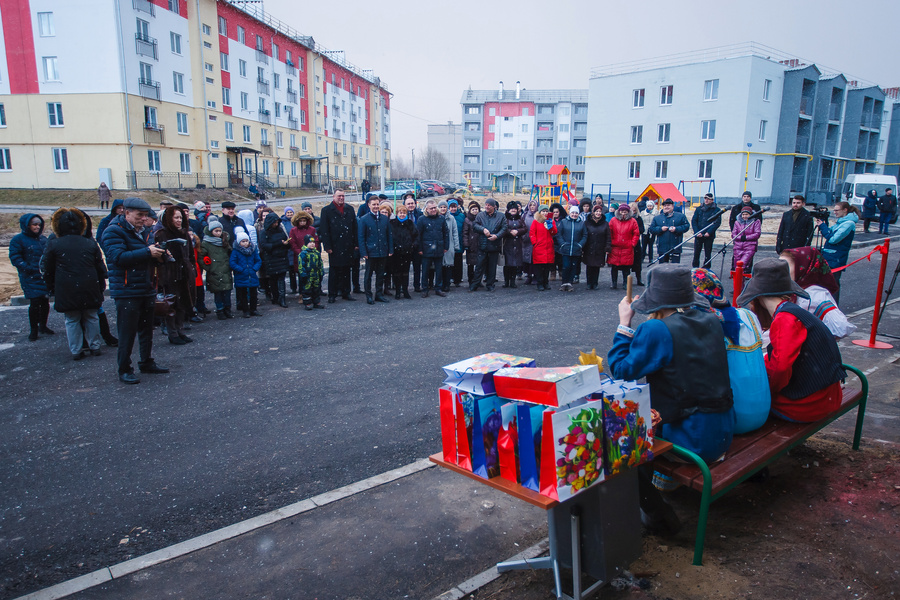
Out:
{"x": 623, "y": 236}
{"x": 434, "y": 236}
{"x": 887, "y": 204}
{"x": 25, "y": 252}
{"x": 736, "y": 212}
{"x": 666, "y": 240}
{"x": 311, "y": 270}
{"x": 794, "y": 233}
{"x": 470, "y": 239}
{"x": 839, "y": 239}
{"x": 703, "y": 217}
{"x": 177, "y": 277}
{"x": 337, "y": 232}
{"x": 244, "y": 263}
{"x": 599, "y": 242}
{"x": 131, "y": 266}
{"x": 745, "y": 243}
{"x": 449, "y": 256}
{"x": 542, "y": 240}
{"x": 299, "y": 232}
{"x": 496, "y": 224}
{"x": 529, "y": 219}
{"x": 272, "y": 247}
{"x": 215, "y": 261}
{"x": 104, "y": 223}
{"x": 374, "y": 236}
{"x": 405, "y": 237}
{"x": 571, "y": 236}
{"x": 229, "y": 223}
{"x": 460, "y": 218}
{"x": 73, "y": 264}
{"x": 514, "y": 246}
{"x": 647, "y": 217}
{"x": 870, "y": 206}
{"x": 246, "y": 216}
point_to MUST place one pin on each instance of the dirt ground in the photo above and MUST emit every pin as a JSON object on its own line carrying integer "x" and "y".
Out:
{"x": 825, "y": 525}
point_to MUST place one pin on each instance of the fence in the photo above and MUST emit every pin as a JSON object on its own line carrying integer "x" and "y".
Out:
{"x": 162, "y": 181}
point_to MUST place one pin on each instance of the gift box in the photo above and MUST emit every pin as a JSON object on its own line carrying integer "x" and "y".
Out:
{"x": 571, "y": 450}
{"x": 447, "y": 405}
{"x": 627, "y": 425}
{"x": 551, "y": 386}
{"x": 508, "y": 443}
{"x": 475, "y": 375}
{"x": 529, "y": 421}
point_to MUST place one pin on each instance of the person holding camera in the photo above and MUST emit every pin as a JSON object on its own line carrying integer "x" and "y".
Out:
{"x": 131, "y": 264}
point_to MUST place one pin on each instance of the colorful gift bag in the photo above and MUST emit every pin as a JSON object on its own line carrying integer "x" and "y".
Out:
{"x": 508, "y": 443}
{"x": 447, "y": 405}
{"x": 627, "y": 425}
{"x": 475, "y": 375}
{"x": 552, "y": 387}
{"x": 529, "y": 420}
{"x": 572, "y": 450}
{"x": 487, "y": 422}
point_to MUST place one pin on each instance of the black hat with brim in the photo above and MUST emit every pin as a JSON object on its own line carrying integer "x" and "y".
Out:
{"x": 771, "y": 277}
{"x": 668, "y": 286}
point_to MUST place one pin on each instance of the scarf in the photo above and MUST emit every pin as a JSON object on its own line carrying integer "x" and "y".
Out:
{"x": 811, "y": 269}
{"x": 215, "y": 241}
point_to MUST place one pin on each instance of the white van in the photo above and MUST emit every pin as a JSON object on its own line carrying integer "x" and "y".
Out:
{"x": 857, "y": 186}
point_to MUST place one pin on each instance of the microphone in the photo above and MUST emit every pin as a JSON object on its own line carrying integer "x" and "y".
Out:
{"x": 719, "y": 213}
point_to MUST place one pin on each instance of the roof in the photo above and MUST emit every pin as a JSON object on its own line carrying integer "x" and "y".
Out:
{"x": 242, "y": 150}
{"x": 558, "y": 170}
{"x": 655, "y": 191}
{"x": 536, "y": 96}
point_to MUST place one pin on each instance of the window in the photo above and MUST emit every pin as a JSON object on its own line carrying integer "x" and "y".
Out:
{"x": 523, "y": 162}
{"x": 303, "y": 120}
{"x": 473, "y": 110}
{"x": 279, "y": 140}
{"x": 175, "y": 42}
{"x": 259, "y": 43}
{"x": 277, "y": 109}
{"x": 275, "y": 56}
{"x": 579, "y": 143}
{"x": 207, "y": 30}
{"x": 293, "y": 169}
{"x": 60, "y": 159}
{"x": 507, "y": 135}
{"x": 524, "y": 127}
{"x": 226, "y": 96}
{"x": 665, "y": 94}
{"x": 229, "y": 131}
{"x": 662, "y": 169}
{"x": 757, "y": 172}
{"x": 637, "y": 134}
{"x": 492, "y": 111}
{"x": 208, "y": 67}
{"x": 181, "y": 119}
{"x": 245, "y": 101}
{"x": 178, "y": 82}
{"x": 662, "y": 132}
{"x": 173, "y": 6}
{"x": 490, "y": 161}
{"x": 223, "y": 61}
{"x": 51, "y": 73}
{"x": 525, "y": 112}
{"x": 705, "y": 169}
{"x": 262, "y": 105}
{"x": 45, "y": 24}
{"x": 708, "y": 130}
{"x": 153, "y": 161}
{"x": 638, "y": 99}
{"x": 276, "y": 81}
{"x": 241, "y": 35}
{"x": 565, "y": 110}
{"x": 491, "y": 128}
{"x": 303, "y": 144}
{"x": 55, "y": 114}
{"x": 2, "y": 116}
{"x": 762, "y": 130}
{"x": 471, "y": 143}
{"x": 634, "y": 169}
{"x": 281, "y": 167}
{"x": 563, "y": 145}
{"x": 5, "y": 160}
{"x": 223, "y": 26}
{"x": 345, "y": 149}
{"x": 150, "y": 117}
{"x": 767, "y": 87}
{"x": 247, "y": 133}
{"x": 143, "y": 29}
{"x": 211, "y": 104}
{"x": 710, "y": 90}
{"x": 301, "y": 90}
{"x": 184, "y": 159}
{"x": 564, "y": 128}
{"x": 264, "y": 136}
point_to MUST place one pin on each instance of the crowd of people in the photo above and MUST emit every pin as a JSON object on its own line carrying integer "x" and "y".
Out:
{"x": 162, "y": 265}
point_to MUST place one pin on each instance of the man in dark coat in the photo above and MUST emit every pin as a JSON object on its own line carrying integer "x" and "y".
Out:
{"x": 338, "y": 234}
{"x": 130, "y": 263}
{"x": 489, "y": 228}
{"x": 669, "y": 227}
{"x": 229, "y": 221}
{"x": 375, "y": 245}
{"x": 409, "y": 201}
{"x": 707, "y": 218}
{"x": 796, "y": 228}
{"x": 887, "y": 207}
{"x": 434, "y": 241}
{"x": 746, "y": 200}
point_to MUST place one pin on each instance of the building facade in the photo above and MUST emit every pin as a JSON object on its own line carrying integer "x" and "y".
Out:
{"x": 170, "y": 93}
{"x": 447, "y": 139}
{"x": 511, "y": 138}
{"x": 744, "y": 117}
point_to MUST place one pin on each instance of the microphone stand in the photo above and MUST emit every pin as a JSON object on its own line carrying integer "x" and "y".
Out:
{"x": 661, "y": 256}
{"x": 724, "y": 249}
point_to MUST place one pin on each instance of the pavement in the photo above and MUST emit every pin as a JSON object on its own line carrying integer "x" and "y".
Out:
{"x": 418, "y": 531}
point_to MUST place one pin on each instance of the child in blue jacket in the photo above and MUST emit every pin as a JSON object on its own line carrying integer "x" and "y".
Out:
{"x": 245, "y": 262}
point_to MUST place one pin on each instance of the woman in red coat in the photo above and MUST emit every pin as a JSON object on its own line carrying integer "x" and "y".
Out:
{"x": 541, "y": 233}
{"x": 625, "y": 234}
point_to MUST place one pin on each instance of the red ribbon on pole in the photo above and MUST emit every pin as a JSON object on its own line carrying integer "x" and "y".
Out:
{"x": 871, "y": 343}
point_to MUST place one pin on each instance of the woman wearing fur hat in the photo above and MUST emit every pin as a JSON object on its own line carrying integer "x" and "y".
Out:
{"x": 73, "y": 268}
{"x": 542, "y": 233}
{"x": 803, "y": 361}
{"x": 514, "y": 242}
{"x": 176, "y": 275}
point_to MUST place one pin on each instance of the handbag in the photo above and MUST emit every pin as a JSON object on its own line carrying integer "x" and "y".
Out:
{"x": 164, "y": 305}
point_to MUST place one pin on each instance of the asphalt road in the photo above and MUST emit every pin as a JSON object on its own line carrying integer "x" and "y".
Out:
{"x": 256, "y": 414}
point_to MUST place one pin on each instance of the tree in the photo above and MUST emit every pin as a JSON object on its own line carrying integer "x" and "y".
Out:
{"x": 400, "y": 169}
{"x": 433, "y": 164}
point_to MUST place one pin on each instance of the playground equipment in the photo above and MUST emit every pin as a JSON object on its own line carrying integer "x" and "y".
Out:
{"x": 558, "y": 188}
{"x": 661, "y": 191}
{"x": 692, "y": 189}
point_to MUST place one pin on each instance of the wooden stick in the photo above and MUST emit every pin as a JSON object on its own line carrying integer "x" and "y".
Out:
{"x": 629, "y": 283}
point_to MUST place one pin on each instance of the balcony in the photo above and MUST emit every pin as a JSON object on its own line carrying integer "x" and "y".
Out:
{"x": 265, "y": 116}
{"x": 336, "y": 111}
{"x": 261, "y": 56}
{"x": 355, "y": 160}
{"x": 292, "y": 96}
{"x": 144, "y": 6}
{"x": 146, "y": 45}
{"x": 293, "y": 124}
{"x": 337, "y": 151}
{"x": 834, "y": 112}
{"x": 262, "y": 86}
{"x": 266, "y": 148}
{"x": 802, "y": 144}
{"x": 154, "y": 134}
{"x": 148, "y": 88}
{"x": 295, "y": 152}
{"x": 806, "y": 106}
{"x": 353, "y": 117}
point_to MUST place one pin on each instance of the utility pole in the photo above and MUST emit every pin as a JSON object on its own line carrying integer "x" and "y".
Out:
{"x": 413, "y": 162}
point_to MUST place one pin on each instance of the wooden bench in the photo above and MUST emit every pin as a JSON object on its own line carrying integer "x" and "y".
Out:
{"x": 751, "y": 452}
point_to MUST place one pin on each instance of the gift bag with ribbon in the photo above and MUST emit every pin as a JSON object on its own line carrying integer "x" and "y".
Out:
{"x": 572, "y": 450}
{"x": 475, "y": 375}
{"x": 508, "y": 443}
{"x": 487, "y": 422}
{"x": 529, "y": 420}
{"x": 627, "y": 425}
{"x": 447, "y": 403}
{"x": 552, "y": 387}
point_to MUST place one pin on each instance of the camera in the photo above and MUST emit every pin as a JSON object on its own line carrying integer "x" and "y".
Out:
{"x": 165, "y": 247}
{"x": 821, "y": 213}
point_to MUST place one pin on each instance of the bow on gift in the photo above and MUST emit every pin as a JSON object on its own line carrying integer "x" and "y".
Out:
{"x": 591, "y": 358}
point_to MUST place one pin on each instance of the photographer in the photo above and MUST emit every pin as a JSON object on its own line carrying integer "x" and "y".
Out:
{"x": 839, "y": 238}
{"x": 131, "y": 263}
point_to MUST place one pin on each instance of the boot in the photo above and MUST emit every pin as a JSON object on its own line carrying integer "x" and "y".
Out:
{"x": 369, "y": 298}
{"x": 398, "y": 294}
{"x": 280, "y": 291}
{"x": 107, "y": 335}
{"x": 406, "y": 292}
{"x": 227, "y": 311}
{"x": 293, "y": 277}
{"x": 220, "y": 314}
{"x": 528, "y": 279}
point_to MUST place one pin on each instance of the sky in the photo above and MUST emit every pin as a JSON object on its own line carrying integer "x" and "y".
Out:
{"x": 428, "y": 53}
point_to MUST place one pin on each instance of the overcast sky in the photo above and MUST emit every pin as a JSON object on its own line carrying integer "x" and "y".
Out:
{"x": 428, "y": 53}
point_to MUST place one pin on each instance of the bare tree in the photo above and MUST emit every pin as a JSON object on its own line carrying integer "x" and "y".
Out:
{"x": 433, "y": 164}
{"x": 400, "y": 169}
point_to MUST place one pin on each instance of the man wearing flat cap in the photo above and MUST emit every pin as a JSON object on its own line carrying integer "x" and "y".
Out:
{"x": 130, "y": 262}
{"x": 229, "y": 221}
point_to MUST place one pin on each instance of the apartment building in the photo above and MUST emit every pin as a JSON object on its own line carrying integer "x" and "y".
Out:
{"x": 170, "y": 93}
{"x": 511, "y": 138}
{"x": 743, "y": 117}
{"x": 447, "y": 139}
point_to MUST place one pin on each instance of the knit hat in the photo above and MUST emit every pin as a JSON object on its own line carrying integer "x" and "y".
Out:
{"x": 240, "y": 234}
{"x": 747, "y": 193}
{"x": 543, "y": 207}
{"x": 623, "y": 208}
{"x": 443, "y": 203}
{"x": 574, "y": 209}
{"x": 473, "y": 203}
{"x": 747, "y": 209}
{"x": 288, "y": 208}
{"x": 452, "y": 201}
{"x": 213, "y": 224}
{"x": 386, "y": 206}
{"x": 306, "y": 206}
{"x": 707, "y": 284}
{"x": 199, "y": 205}
{"x": 513, "y": 204}
{"x": 260, "y": 203}
{"x": 650, "y": 204}
{"x": 308, "y": 238}
{"x": 668, "y": 286}
{"x": 771, "y": 277}
{"x": 492, "y": 202}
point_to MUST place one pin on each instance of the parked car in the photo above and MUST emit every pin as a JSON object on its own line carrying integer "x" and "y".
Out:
{"x": 438, "y": 187}
{"x": 395, "y": 190}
